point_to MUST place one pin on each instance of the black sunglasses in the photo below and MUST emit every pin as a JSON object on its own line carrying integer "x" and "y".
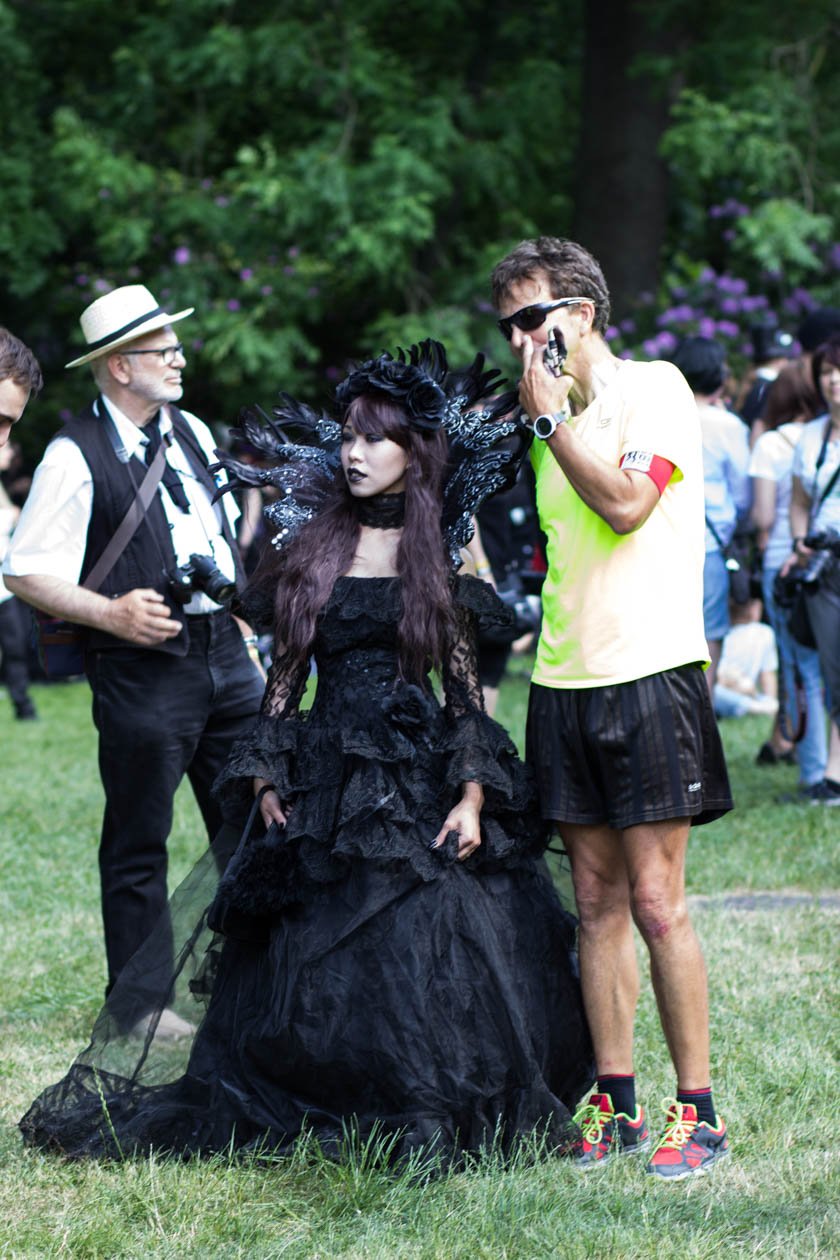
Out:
{"x": 527, "y": 318}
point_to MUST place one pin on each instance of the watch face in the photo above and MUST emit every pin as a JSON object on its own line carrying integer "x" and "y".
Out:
{"x": 544, "y": 426}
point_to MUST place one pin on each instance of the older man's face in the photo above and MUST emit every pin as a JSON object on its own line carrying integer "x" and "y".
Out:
{"x": 13, "y": 400}
{"x": 152, "y": 378}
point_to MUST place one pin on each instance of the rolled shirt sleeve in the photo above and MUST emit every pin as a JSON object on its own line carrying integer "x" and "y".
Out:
{"x": 51, "y": 534}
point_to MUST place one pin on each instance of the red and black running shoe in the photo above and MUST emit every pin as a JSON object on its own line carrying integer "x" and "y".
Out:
{"x": 606, "y": 1132}
{"x": 688, "y": 1146}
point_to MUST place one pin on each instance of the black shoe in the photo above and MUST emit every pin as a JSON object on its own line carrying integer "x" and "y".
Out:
{"x": 26, "y": 713}
{"x": 827, "y": 792}
{"x": 767, "y": 756}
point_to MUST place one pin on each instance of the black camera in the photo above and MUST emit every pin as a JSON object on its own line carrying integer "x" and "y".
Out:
{"x": 826, "y": 545}
{"x": 201, "y": 573}
{"x": 526, "y": 609}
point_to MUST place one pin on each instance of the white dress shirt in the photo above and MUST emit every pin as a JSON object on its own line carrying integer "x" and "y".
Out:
{"x": 51, "y": 535}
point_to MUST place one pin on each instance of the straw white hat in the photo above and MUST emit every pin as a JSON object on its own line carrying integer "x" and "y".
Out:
{"x": 121, "y": 316}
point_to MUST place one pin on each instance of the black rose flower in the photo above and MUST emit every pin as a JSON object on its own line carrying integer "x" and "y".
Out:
{"x": 409, "y": 707}
{"x": 426, "y": 404}
{"x": 390, "y": 375}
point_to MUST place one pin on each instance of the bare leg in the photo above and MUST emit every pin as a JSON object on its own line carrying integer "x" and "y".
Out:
{"x": 715, "y": 647}
{"x": 609, "y": 975}
{"x": 655, "y": 856}
{"x": 832, "y": 770}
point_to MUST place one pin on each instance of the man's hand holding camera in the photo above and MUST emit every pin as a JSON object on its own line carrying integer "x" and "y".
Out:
{"x": 540, "y": 390}
{"x": 140, "y": 617}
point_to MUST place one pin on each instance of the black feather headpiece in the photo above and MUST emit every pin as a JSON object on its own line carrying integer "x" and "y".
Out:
{"x": 301, "y": 447}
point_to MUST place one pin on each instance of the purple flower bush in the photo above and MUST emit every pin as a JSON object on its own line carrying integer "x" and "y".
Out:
{"x": 727, "y": 302}
{"x": 721, "y": 306}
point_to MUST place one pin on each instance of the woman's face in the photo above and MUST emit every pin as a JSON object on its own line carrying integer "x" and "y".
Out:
{"x": 372, "y": 464}
{"x": 830, "y": 384}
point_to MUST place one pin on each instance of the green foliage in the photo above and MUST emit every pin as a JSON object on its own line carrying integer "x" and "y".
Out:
{"x": 780, "y": 235}
{"x": 712, "y": 141}
{"x": 320, "y": 180}
{"x": 757, "y": 125}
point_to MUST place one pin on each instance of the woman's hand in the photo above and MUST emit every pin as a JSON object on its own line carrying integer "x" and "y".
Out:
{"x": 271, "y": 807}
{"x": 465, "y": 818}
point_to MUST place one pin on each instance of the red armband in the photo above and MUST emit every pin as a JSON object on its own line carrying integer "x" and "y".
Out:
{"x": 658, "y": 469}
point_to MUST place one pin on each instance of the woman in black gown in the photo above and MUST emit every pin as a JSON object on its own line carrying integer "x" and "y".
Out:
{"x": 385, "y": 951}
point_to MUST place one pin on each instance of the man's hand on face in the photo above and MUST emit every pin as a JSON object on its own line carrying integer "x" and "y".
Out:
{"x": 539, "y": 390}
{"x": 142, "y": 617}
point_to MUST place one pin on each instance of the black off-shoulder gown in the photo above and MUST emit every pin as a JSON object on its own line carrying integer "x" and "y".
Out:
{"x": 343, "y": 976}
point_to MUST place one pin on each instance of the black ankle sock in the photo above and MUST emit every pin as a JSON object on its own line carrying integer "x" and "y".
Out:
{"x": 622, "y": 1091}
{"x": 702, "y": 1100}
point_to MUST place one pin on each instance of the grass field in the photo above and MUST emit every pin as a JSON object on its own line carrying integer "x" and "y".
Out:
{"x": 766, "y": 889}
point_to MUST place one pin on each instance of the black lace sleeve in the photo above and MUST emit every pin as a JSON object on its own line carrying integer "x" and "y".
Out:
{"x": 268, "y": 749}
{"x": 461, "y": 687}
{"x": 477, "y": 749}
{"x": 284, "y": 687}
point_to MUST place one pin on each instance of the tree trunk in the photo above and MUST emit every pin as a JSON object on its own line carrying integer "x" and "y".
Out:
{"x": 621, "y": 199}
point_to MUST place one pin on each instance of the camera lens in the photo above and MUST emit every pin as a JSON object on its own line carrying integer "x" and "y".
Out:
{"x": 208, "y": 577}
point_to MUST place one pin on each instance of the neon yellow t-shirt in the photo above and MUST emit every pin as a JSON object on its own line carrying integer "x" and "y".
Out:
{"x": 621, "y": 607}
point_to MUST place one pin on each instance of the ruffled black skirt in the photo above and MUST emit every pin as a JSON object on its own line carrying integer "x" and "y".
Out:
{"x": 444, "y": 1014}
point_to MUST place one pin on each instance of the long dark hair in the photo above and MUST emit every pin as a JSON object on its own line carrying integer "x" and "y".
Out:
{"x": 827, "y": 353}
{"x": 306, "y": 572}
{"x": 791, "y": 397}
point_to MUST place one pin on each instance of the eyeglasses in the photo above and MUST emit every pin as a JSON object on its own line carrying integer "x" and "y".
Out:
{"x": 527, "y": 318}
{"x": 168, "y": 353}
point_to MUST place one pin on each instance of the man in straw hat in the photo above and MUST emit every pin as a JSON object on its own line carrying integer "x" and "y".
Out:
{"x": 173, "y": 682}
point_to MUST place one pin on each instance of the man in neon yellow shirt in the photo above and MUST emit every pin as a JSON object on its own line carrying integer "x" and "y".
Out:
{"x": 621, "y": 732}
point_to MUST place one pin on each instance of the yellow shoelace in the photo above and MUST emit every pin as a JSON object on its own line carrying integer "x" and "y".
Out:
{"x": 678, "y": 1128}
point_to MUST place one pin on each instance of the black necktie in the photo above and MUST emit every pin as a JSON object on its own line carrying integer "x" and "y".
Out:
{"x": 171, "y": 480}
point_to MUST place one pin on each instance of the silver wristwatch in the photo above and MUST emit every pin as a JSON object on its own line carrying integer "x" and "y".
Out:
{"x": 546, "y": 424}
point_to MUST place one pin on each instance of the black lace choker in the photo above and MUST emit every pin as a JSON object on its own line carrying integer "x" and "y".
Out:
{"x": 382, "y": 511}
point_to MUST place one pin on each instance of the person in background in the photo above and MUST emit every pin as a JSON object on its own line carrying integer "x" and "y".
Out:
{"x": 726, "y": 483}
{"x": 815, "y": 510}
{"x": 14, "y": 616}
{"x": 747, "y": 680}
{"x": 773, "y": 348}
{"x": 791, "y": 403}
{"x": 20, "y": 378}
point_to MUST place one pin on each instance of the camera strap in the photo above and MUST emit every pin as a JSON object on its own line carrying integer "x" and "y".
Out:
{"x": 816, "y": 503}
{"x": 731, "y": 561}
{"x": 127, "y": 527}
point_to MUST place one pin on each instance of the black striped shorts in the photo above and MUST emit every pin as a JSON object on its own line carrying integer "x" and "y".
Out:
{"x": 635, "y": 752}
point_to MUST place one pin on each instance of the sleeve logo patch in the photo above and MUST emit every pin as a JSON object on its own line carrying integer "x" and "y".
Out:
{"x": 639, "y": 461}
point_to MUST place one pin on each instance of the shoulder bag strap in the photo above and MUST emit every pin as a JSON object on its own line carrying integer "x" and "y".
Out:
{"x": 128, "y": 525}
{"x": 715, "y": 535}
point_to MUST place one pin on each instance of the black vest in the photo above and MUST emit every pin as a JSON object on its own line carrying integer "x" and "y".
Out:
{"x": 149, "y": 554}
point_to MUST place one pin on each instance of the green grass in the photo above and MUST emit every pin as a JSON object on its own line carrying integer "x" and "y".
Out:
{"x": 773, "y": 974}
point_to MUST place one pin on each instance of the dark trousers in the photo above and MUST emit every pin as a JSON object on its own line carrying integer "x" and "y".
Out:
{"x": 14, "y": 642}
{"x": 160, "y": 717}
{"x": 824, "y": 615}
